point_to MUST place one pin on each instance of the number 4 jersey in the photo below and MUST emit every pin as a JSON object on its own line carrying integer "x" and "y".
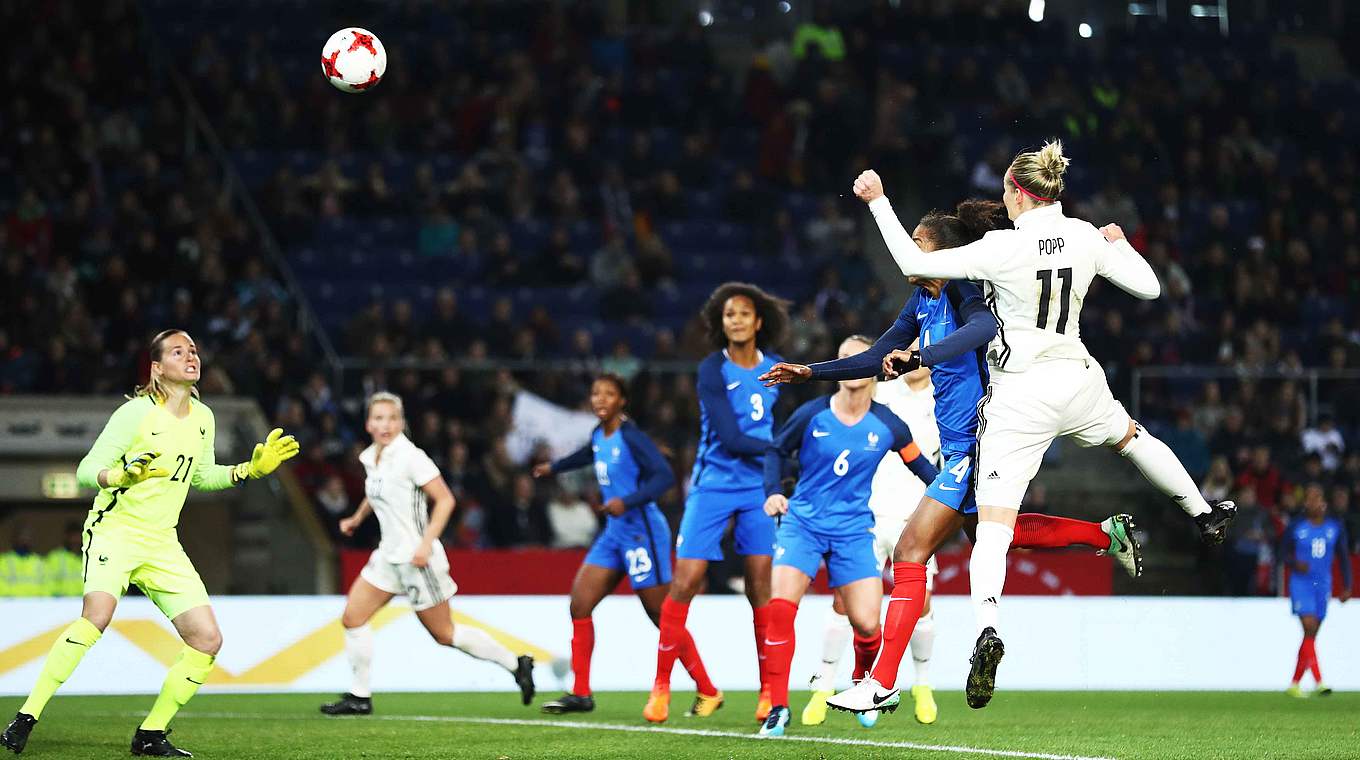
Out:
{"x": 185, "y": 448}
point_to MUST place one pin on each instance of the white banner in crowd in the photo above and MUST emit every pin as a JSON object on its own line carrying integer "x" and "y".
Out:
{"x": 295, "y": 644}
{"x": 534, "y": 419}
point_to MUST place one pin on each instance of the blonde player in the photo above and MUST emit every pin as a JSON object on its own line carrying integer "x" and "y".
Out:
{"x": 152, "y": 450}
{"x": 1043, "y": 382}
{"x": 409, "y": 559}
{"x": 894, "y": 496}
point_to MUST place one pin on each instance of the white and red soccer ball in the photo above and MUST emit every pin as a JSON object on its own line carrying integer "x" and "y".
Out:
{"x": 353, "y": 60}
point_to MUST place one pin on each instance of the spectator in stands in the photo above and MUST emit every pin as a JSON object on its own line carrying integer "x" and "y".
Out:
{"x": 1262, "y": 476}
{"x": 1248, "y": 559}
{"x": 63, "y": 567}
{"x": 574, "y": 524}
{"x": 1218, "y": 483}
{"x": 1325, "y": 441}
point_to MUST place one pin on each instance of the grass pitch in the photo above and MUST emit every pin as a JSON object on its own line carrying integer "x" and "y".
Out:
{"x": 1198, "y": 725}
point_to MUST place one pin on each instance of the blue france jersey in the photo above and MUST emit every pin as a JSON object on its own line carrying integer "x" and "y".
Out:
{"x": 615, "y": 468}
{"x": 736, "y": 423}
{"x": 837, "y": 463}
{"x": 1317, "y": 546}
{"x": 627, "y": 465}
{"x": 959, "y": 382}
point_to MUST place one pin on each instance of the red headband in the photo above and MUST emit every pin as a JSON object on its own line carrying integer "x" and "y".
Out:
{"x": 1018, "y": 186}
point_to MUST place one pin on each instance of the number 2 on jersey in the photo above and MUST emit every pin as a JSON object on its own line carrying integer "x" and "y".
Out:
{"x": 1045, "y": 277}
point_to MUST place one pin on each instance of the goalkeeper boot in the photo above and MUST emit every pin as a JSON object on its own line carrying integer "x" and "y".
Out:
{"x": 1213, "y": 525}
{"x": 15, "y": 737}
{"x": 155, "y": 744}
{"x": 569, "y": 703}
{"x": 775, "y": 722}
{"x": 815, "y": 712}
{"x": 865, "y": 696}
{"x": 524, "y": 678}
{"x": 1123, "y": 545}
{"x": 987, "y": 654}
{"x": 348, "y": 704}
{"x": 705, "y": 705}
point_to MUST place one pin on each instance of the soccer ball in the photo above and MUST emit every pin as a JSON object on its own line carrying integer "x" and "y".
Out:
{"x": 353, "y": 60}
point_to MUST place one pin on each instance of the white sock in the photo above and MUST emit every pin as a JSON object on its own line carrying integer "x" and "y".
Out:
{"x": 1159, "y": 465}
{"x": 834, "y": 640}
{"x": 359, "y": 647}
{"x": 987, "y": 571}
{"x": 922, "y": 646}
{"x": 479, "y": 644}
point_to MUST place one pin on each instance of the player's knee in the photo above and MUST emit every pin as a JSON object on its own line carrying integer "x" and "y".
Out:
{"x": 208, "y": 641}
{"x": 443, "y": 636}
{"x": 866, "y": 627}
{"x": 910, "y": 549}
{"x": 580, "y": 609}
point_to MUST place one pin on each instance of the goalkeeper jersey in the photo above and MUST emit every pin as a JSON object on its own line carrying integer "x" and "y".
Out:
{"x": 186, "y": 452}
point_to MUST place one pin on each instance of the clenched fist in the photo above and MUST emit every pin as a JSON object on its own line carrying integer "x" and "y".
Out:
{"x": 868, "y": 186}
{"x": 1112, "y": 232}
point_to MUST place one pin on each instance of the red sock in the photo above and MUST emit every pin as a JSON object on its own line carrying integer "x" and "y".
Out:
{"x": 866, "y": 651}
{"x": 1313, "y": 660}
{"x": 1302, "y": 663}
{"x": 689, "y": 657}
{"x": 672, "y": 636}
{"x": 761, "y": 617}
{"x": 582, "y": 645}
{"x": 1035, "y": 531}
{"x": 904, "y": 609}
{"x": 779, "y": 648}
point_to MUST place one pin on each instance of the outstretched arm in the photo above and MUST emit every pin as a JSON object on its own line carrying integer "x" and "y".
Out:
{"x": 1119, "y": 263}
{"x": 965, "y": 262}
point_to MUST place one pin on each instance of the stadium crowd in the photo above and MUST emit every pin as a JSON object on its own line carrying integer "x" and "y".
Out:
{"x": 117, "y": 224}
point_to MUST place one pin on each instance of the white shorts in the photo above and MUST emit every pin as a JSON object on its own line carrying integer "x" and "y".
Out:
{"x": 424, "y": 587}
{"x": 1024, "y": 411}
{"x": 886, "y": 532}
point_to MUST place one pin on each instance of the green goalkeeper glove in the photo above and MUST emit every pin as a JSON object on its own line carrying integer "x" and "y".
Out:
{"x": 276, "y": 449}
{"x": 135, "y": 471}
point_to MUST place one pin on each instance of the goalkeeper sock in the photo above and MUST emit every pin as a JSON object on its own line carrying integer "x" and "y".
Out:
{"x": 1159, "y": 465}
{"x": 1035, "y": 531}
{"x": 834, "y": 639}
{"x": 987, "y": 571}
{"x": 181, "y": 684}
{"x": 359, "y": 647}
{"x": 62, "y": 659}
{"x": 479, "y": 644}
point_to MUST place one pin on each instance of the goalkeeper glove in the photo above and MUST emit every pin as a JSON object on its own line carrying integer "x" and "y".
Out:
{"x": 276, "y": 449}
{"x": 135, "y": 471}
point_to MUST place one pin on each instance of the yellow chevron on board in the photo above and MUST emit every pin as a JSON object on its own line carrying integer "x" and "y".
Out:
{"x": 29, "y": 649}
{"x": 284, "y": 666}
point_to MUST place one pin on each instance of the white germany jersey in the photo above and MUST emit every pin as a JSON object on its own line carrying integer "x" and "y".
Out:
{"x": 1035, "y": 278}
{"x": 392, "y": 486}
{"x": 896, "y": 491}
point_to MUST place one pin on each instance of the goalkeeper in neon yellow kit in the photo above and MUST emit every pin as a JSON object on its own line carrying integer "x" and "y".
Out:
{"x": 152, "y": 450}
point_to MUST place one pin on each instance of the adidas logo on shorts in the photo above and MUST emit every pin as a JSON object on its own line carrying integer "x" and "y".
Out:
{"x": 993, "y": 476}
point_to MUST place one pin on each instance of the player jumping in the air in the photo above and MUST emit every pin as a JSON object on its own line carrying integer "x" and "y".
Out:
{"x": 951, "y": 321}
{"x": 636, "y": 540}
{"x": 152, "y": 450}
{"x": 409, "y": 560}
{"x": 735, "y": 428}
{"x": 1309, "y": 546}
{"x": 1043, "y": 382}
{"x": 840, "y": 440}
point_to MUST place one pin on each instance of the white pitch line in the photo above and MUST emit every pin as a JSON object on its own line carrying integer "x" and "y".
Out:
{"x": 576, "y": 724}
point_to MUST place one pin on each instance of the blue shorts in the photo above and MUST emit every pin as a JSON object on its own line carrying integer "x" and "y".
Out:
{"x": 638, "y": 544}
{"x": 953, "y": 487}
{"x": 705, "y": 520}
{"x": 1309, "y": 598}
{"x": 849, "y": 557}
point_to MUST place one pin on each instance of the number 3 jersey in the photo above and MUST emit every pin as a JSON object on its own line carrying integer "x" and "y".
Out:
{"x": 185, "y": 451}
{"x": 836, "y": 462}
{"x": 736, "y": 423}
{"x": 393, "y": 485}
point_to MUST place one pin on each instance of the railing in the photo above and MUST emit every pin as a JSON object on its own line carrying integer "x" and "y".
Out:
{"x": 1310, "y": 376}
